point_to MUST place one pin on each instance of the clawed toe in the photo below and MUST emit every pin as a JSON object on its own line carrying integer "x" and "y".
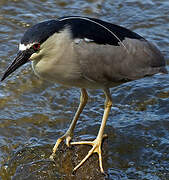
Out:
{"x": 66, "y": 137}
{"x": 95, "y": 149}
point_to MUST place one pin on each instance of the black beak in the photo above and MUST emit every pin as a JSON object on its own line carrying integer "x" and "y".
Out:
{"x": 22, "y": 58}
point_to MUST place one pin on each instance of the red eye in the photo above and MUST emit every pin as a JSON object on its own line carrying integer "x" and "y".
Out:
{"x": 36, "y": 46}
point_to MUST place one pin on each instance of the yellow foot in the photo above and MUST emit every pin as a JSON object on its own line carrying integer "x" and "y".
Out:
{"x": 95, "y": 149}
{"x": 67, "y": 136}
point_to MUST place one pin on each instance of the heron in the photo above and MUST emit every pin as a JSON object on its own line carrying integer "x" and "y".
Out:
{"x": 87, "y": 53}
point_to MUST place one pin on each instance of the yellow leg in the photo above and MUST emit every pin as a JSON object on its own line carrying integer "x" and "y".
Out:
{"x": 98, "y": 141}
{"x": 68, "y": 135}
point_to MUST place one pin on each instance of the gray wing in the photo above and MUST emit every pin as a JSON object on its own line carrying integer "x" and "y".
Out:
{"x": 107, "y": 64}
{"x": 108, "y": 53}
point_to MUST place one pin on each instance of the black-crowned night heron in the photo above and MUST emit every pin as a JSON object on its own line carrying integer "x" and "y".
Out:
{"x": 87, "y": 53}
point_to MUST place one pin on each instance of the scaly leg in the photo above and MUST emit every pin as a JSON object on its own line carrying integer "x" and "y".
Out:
{"x": 98, "y": 141}
{"x": 68, "y": 135}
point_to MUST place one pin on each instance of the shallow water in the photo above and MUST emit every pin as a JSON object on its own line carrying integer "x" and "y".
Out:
{"x": 33, "y": 113}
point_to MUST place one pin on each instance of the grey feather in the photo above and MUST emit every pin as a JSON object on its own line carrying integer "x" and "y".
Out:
{"x": 86, "y": 64}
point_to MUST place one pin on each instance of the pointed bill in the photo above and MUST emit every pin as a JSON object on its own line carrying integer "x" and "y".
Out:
{"x": 22, "y": 58}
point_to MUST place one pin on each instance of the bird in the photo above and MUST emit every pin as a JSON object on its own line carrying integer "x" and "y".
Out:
{"x": 86, "y": 53}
